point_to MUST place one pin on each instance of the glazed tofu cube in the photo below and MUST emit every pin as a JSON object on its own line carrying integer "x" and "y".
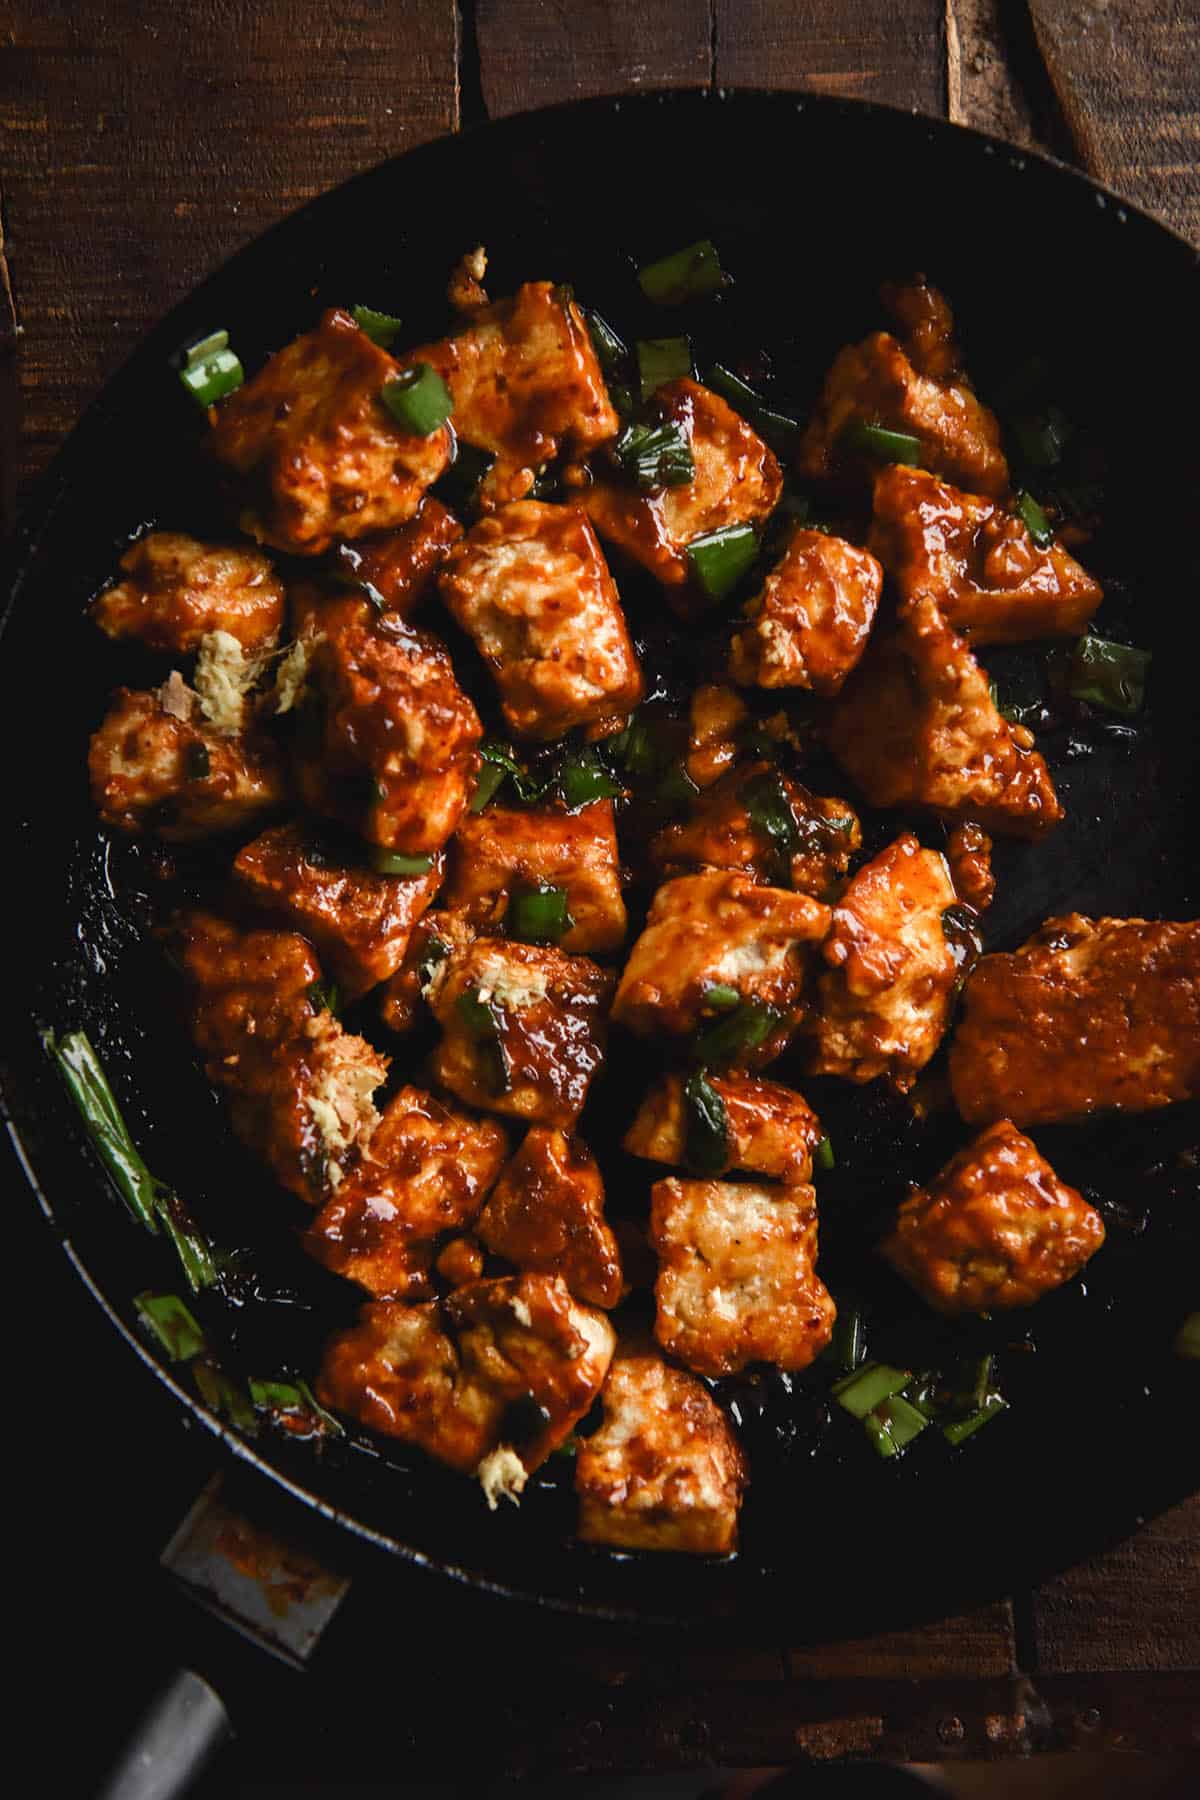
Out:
{"x": 884, "y": 999}
{"x": 916, "y": 725}
{"x": 762, "y": 822}
{"x": 809, "y": 622}
{"x": 155, "y": 766}
{"x": 399, "y": 568}
{"x": 175, "y": 590}
{"x": 927, "y": 323}
{"x": 503, "y": 851}
{"x": 737, "y": 1279}
{"x": 737, "y": 482}
{"x": 408, "y": 994}
{"x": 388, "y": 739}
{"x": 523, "y": 1029}
{"x": 770, "y": 1130}
{"x": 542, "y": 1354}
{"x": 321, "y": 454}
{"x": 360, "y": 922}
{"x": 995, "y": 1229}
{"x": 718, "y": 715}
{"x": 530, "y": 585}
{"x": 719, "y": 931}
{"x": 526, "y": 384}
{"x": 664, "y": 1471}
{"x": 1091, "y": 1015}
{"x": 427, "y": 1169}
{"x": 547, "y": 1215}
{"x": 978, "y": 561}
{"x": 874, "y": 383}
{"x": 969, "y": 853}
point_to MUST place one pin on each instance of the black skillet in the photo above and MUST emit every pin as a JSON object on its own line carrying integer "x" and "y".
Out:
{"x": 812, "y": 202}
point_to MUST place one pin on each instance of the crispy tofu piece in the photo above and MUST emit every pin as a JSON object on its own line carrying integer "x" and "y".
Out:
{"x": 737, "y": 482}
{"x": 502, "y": 850}
{"x": 299, "y": 1086}
{"x": 1090, "y": 1015}
{"x": 401, "y": 565}
{"x": 809, "y": 622}
{"x": 359, "y": 921}
{"x": 546, "y": 1214}
{"x": 969, "y": 853}
{"x": 529, "y": 584}
{"x": 875, "y": 383}
{"x": 427, "y": 1169}
{"x": 737, "y": 1279}
{"x": 543, "y": 1354}
{"x": 726, "y": 830}
{"x": 155, "y": 766}
{"x": 324, "y": 457}
{"x": 407, "y": 994}
{"x": 927, "y": 324}
{"x": 771, "y": 1130}
{"x": 389, "y": 742}
{"x": 176, "y": 590}
{"x": 460, "y": 1261}
{"x": 884, "y": 999}
{"x": 916, "y": 725}
{"x": 526, "y": 384}
{"x": 664, "y": 1471}
{"x": 719, "y": 930}
{"x": 523, "y": 1029}
{"x": 995, "y": 1229}
{"x": 716, "y": 720}
{"x": 977, "y": 561}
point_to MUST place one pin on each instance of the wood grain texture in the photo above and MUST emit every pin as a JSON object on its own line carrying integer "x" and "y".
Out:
{"x": 1127, "y": 77}
{"x": 1138, "y": 1607}
{"x": 138, "y": 155}
{"x": 538, "y": 52}
{"x": 872, "y": 50}
{"x": 978, "y": 1643}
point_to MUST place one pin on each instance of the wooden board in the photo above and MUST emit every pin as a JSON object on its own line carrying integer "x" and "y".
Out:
{"x": 872, "y": 50}
{"x": 532, "y": 54}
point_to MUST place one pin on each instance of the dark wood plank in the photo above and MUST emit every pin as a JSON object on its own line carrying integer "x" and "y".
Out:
{"x": 972, "y": 1645}
{"x": 1138, "y": 1607}
{"x": 1125, "y": 73}
{"x": 872, "y": 49}
{"x": 138, "y": 158}
{"x": 533, "y": 54}
{"x": 10, "y": 409}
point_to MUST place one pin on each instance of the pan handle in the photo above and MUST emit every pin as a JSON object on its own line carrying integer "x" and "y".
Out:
{"x": 177, "y": 1737}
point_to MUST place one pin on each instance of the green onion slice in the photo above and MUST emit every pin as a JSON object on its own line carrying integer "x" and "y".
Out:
{"x": 721, "y": 997}
{"x": 655, "y": 455}
{"x": 863, "y": 1391}
{"x": 213, "y": 375}
{"x": 173, "y": 1325}
{"x": 734, "y": 1033}
{"x": 769, "y": 809}
{"x": 684, "y": 275}
{"x": 676, "y": 789}
{"x": 612, "y": 353}
{"x": 776, "y": 428}
{"x": 848, "y": 1345}
{"x": 862, "y": 438}
{"x": 324, "y": 996}
{"x": 1034, "y": 519}
{"x": 538, "y": 914}
{"x": 1187, "y": 1338}
{"x": 393, "y": 862}
{"x": 489, "y": 778}
{"x": 204, "y": 347}
{"x": 661, "y": 360}
{"x": 957, "y": 1431}
{"x": 222, "y": 1395}
{"x": 483, "y": 1027}
{"x": 382, "y": 328}
{"x": 720, "y": 559}
{"x": 706, "y": 1126}
{"x": 823, "y": 1155}
{"x": 583, "y": 778}
{"x": 894, "y": 1424}
{"x": 418, "y": 399}
{"x": 1111, "y": 676}
{"x": 297, "y": 1399}
{"x": 191, "y": 1246}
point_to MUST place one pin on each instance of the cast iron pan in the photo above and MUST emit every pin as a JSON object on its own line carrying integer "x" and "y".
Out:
{"x": 812, "y": 202}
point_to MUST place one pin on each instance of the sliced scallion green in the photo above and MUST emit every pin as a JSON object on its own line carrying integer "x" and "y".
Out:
{"x": 894, "y": 1424}
{"x": 394, "y": 862}
{"x": 661, "y": 360}
{"x": 957, "y": 1431}
{"x": 224, "y": 1396}
{"x": 719, "y": 559}
{"x": 612, "y": 353}
{"x": 583, "y": 778}
{"x": 734, "y": 1033}
{"x": 1187, "y": 1338}
{"x": 211, "y": 369}
{"x": 721, "y": 998}
{"x": 483, "y": 1028}
{"x": 418, "y": 399}
{"x": 848, "y": 1345}
{"x": 324, "y": 996}
{"x": 173, "y": 1325}
{"x": 675, "y": 788}
{"x": 863, "y": 438}
{"x": 769, "y": 809}
{"x": 382, "y": 328}
{"x": 489, "y": 778}
{"x": 684, "y": 275}
{"x": 538, "y": 915}
{"x": 861, "y": 1392}
{"x": 1034, "y": 519}
{"x": 823, "y": 1155}
{"x": 1111, "y": 676}
{"x": 778, "y": 430}
{"x": 706, "y": 1126}
{"x": 655, "y": 455}
{"x": 294, "y": 1398}
{"x": 191, "y": 1246}
{"x": 204, "y": 347}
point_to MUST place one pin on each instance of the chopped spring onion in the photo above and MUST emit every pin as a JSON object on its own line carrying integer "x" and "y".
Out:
{"x": 210, "y": 369}
{"x": 636, "y": 748}
{"x": 150, "y": 1201}
{"x": 1111, "y": 676}
{"x": 382, "y": 328}
{"x": 957, "y": 1431}
{"x": 676, "y": 789}
{"x": 324, "y": 996}
{"x": 393, "y": 862}
{"x": 684, "y": 275}
{"x": 1187, "y": 1338}
{"x": 737, "y": 1031}
{"x": 418, "y": 399}
{"x": 706, "y": 1126}
{"x": 721, "y": 997}
{"x": 538, "y": 915}
{"x": 894, "y": 1424}
{"x": 848, "y": 1345}
{"x": 719, "y": 559}
{"x": 222, "y": 1395}
{"x": 769, "y": 810}
{"x": 583, "y": 778}
{"x": 483, "y": 1027}
{"x": 612, "y": 353}
{"x": 862, "y": 438}
{"x": 778, "y": 430}
{"x": 499, "y": 757}
{"x": 295, "y": 1398}
{"x": 172, "y": 1324}
{"x": 823, "y": 1155}
{"x": 1042, "y": 436}
{"x": 655, "y": 455}
{"x": 661, "y": 360}
{"x": 1034, "y": 519}
{"x": 489, "y": 778}
{"x": 861, "y": 1392}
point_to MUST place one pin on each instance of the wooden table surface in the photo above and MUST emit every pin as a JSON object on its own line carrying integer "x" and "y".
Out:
{"x": 143, "y": 142}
